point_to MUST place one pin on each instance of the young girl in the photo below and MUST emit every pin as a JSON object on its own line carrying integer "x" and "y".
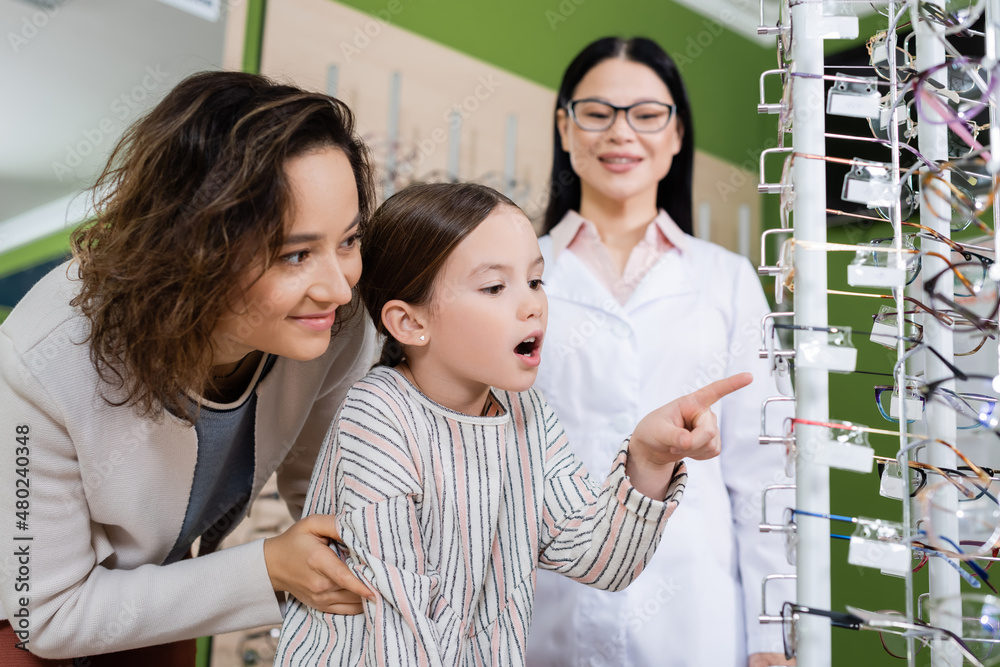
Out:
{"x": 450, "y": 478}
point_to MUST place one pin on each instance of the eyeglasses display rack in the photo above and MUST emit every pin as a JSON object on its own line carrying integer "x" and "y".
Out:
{"x": 943, "y": 584}
{"x": 928, "y": 101}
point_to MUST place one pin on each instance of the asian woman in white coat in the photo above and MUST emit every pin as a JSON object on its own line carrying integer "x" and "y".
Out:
{"x": 641, "y": 313}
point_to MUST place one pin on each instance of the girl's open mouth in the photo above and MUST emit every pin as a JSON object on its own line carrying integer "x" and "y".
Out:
{"x": 529, "y": 349}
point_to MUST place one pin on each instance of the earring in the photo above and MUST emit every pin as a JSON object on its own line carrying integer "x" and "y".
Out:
{"x": 423, "y": 338}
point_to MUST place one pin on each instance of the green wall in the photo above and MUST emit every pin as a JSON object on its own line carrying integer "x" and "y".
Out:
{"x": 537, "y": 39}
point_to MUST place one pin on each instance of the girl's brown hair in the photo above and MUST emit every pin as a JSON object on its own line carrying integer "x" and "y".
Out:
{"x": 192, "y": 198}
{"x": 407, "y": 241}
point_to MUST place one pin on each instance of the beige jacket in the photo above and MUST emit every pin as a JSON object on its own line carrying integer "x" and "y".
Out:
{"x": 107, "y": 491}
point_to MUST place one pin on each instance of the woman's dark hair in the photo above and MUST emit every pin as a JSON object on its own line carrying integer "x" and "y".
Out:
{"x": 194, "y": 197}
{"x": 408, "y": 240}
{"x": 674, "y": 192}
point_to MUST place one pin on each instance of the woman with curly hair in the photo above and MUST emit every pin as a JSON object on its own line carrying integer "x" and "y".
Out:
{"x": 201, "y": 338}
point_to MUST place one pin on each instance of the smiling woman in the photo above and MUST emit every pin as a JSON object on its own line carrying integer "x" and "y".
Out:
{"x": 290, "y": 309}
{"x": 201, "y": 339}
{"x": 641, "y": 312}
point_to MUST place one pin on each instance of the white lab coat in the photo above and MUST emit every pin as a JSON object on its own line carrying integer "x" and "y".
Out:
{"x": 694, "y": 318}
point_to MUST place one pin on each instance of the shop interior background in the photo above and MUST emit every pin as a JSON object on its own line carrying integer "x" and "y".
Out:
{"x": 443, "y": 89}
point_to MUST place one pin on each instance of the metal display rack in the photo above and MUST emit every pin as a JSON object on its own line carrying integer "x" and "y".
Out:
{"x": 922, "y": 87}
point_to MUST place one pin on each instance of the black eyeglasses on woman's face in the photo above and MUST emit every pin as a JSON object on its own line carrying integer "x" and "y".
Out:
{"x": 593, "y": 115}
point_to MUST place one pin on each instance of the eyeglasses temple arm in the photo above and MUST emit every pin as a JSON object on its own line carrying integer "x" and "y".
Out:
{"x": 952, "y": 367}
{"x": 958, "y": 274}
{"x": 838, "y": 619}
{"x": 940, "y": 317}
{"x": 874, "y": 140}
{"x": 962, "y": 646}
{"x": 833, "y": 211}
{"x": 933, "y": 235}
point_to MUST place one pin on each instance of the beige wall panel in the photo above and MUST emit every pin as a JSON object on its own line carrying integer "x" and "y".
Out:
{"x": 725, "y": 188}
{"x": 236, "y": 28}
{"x": 304, "y": 38}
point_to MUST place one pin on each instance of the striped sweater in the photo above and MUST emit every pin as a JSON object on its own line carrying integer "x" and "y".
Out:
{"x": 446, "y": 517}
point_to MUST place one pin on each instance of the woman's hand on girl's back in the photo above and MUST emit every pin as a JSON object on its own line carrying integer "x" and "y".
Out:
{"x": 301, "y": 562}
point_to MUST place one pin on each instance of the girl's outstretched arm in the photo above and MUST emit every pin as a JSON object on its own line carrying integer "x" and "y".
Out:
{"x": 684, "y": 428}
{"x": 601, "y": 536}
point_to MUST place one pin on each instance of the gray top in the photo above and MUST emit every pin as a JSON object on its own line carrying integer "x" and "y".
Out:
{"x": 223, "y": 475}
